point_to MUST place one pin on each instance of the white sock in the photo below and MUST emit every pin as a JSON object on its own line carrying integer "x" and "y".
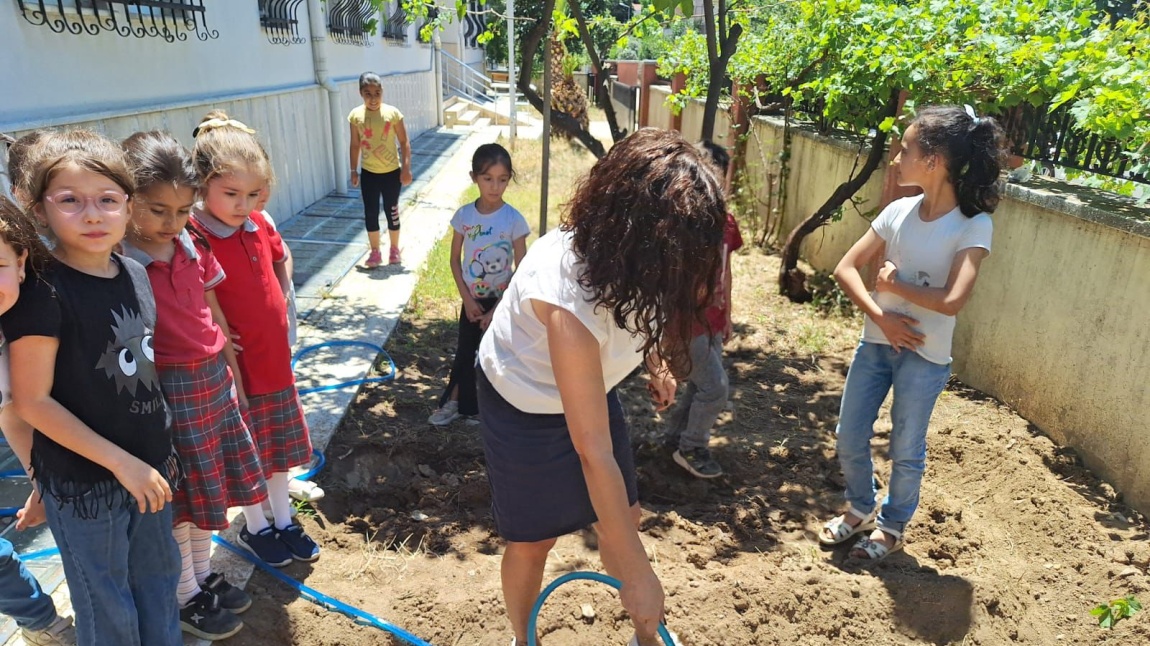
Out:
{"x": 201, "y": 553}
{"x": 188, "y": 586}
{"x": 254, "y": 517}
{"x": 279, "y": 499}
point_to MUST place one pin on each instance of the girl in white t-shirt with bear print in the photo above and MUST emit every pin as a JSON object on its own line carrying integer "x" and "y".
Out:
{"x": 489, "y": 241}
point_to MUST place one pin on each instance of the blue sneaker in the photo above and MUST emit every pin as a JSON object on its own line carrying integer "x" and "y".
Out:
{"x": 299, "y": 544}
{"x": 265, "y": 546}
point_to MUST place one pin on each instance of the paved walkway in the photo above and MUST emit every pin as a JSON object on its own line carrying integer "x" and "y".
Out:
{"x": 337, "y": 299}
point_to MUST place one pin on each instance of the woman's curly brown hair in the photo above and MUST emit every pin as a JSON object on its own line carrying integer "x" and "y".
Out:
{"x": 647, "y": 222}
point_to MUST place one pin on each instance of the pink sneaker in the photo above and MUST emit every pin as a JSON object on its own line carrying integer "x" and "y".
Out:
{"x": 374, "y": 259}
{"x": 393, "y": 257}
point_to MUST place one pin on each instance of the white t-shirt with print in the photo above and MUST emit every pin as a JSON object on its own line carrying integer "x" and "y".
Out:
{"x": 514, "y": 353}
{"x": 5, "y": 375}
{"x": 488, "y": 255}
{"x": 924, "y": 253}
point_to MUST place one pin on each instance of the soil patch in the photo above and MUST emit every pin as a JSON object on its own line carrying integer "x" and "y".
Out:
{"x": 1014, "y": 541}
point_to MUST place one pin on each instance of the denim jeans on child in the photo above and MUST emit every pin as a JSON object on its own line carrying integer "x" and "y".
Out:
{"x": 706, "y": 394}
{"x": 122, "y": 569}
{"x": 917, "y": 384}
{"x": 20, "y": 595}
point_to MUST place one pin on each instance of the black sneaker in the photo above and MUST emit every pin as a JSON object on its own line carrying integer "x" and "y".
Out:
{"x": 698, "y": 462}
{"x": 204, "y": 618}
{"x": 265, "y": 546}
{"x": 299, "y": 544}
{"x": 231, "y": 598}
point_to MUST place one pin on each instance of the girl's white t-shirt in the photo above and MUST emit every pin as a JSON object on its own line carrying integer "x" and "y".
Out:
{"x": 924, "y": 253}
{"x": 514, "y": 354}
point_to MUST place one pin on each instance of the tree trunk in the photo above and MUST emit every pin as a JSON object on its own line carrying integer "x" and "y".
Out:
{"x": 602, "y": 98}
{"x": 721, "y": 45}
{"x": 560, "y": 120}
{"x": 792, "y": 280}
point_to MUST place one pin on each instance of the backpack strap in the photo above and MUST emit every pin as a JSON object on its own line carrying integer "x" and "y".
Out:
{"x": 143, "y": 287}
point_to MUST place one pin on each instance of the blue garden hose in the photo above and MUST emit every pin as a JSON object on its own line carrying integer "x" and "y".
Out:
{"x": 323, "y": 600}
{"x": 353, "y": 382}
{"x": 573, "y": 576}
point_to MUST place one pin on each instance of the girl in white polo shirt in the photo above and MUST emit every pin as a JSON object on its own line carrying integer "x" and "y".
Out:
{"x": 624, "y": 278}
{"x": 932, "y": 246}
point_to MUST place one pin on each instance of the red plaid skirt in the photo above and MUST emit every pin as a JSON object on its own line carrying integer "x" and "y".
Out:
{"x": 222, "y": 467}
{"x": 279, "y": 429}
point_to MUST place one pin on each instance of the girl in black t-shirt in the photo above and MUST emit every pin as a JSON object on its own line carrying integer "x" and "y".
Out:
{"x": 83, "y": 375}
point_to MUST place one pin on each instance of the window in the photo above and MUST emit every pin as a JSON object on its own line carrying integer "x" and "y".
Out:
{"x": 351, "y": 22}
{"x": 280, "y": 20}
{"x": 170, "y": 20}
{"x": 395, "y": 23}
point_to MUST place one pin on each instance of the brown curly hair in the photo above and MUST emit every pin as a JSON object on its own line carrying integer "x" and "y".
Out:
{"x": 17, "y": 230}
{"x": 647, "y": 222}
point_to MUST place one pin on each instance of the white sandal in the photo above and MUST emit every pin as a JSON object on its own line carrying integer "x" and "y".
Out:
{"x": 874, "y": 550}
{"x": 841, "y": 531}
{"x": 304, "y": 490}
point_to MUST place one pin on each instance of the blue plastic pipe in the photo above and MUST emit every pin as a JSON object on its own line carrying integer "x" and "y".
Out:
{"x": 574, "y": 576}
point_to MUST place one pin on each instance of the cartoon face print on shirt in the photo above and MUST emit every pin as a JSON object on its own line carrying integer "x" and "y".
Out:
{"x": 491, "y": 266}
{"x": 129, "y": 359}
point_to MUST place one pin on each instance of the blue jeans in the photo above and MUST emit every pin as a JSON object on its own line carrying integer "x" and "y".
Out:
{"x": 917, "y": 384}
{"x": 20, "y": 595}
{"x": 122, "y": 569}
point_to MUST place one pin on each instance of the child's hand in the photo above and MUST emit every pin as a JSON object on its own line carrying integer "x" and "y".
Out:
{"x": 900, "y": 331}
{"x": 355, "y": 179}
{"x": 33, "y": 512}
{"x": 886, "y": 277}
{"x": 472, "y": 309}
{"x": 236, "y": 342}
{"x": 728, "y": 329}
{"x": 146, "y": 485}
{"x": 485, "y": 320}
{"x": 405, "y": 176}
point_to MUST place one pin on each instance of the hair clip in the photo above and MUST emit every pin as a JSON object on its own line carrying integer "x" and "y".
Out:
{"x": 970, "y": 111}
{"x": 220, "y": 123}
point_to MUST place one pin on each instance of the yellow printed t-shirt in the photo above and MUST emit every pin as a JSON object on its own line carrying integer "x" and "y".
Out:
{"x": 377, "y": 137}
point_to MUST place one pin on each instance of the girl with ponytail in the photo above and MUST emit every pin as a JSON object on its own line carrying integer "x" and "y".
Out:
{"x": 932, "y": 246}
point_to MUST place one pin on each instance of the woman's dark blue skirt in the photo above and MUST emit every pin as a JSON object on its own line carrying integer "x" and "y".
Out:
{"x": 537, "y": 486}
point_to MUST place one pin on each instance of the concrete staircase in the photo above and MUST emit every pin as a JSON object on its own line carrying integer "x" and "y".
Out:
{"x": 459, "y": 112}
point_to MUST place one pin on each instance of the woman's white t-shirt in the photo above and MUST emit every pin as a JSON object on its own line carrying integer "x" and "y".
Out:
{"x": 514, "y": 354}
{"x": 924, "y": 253}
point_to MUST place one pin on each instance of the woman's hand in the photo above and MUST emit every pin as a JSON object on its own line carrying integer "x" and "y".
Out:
{"x": 662, "y": 387}
{"x": 887, "y": 276}
{"x": 900, "y": 330}
{"x": 642, "y": 598}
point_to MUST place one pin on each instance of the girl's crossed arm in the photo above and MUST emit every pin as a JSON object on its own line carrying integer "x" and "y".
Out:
{"x": 945, "y": 300}
{"x": 898, "y": 329}
{"x": 33, "y": 372}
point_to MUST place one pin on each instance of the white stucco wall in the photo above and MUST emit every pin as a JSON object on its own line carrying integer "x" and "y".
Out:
{"x": 119, "y": 85}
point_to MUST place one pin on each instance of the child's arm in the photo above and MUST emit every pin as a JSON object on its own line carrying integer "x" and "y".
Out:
{"x": 33, "y": 372}
{"x": 898, "y": 329}
{"x": 948, "y": 299}
{"x": 283, "y": 270}
{"x": 404, "y": 152}
{"x": 19, "y": 436}
{"x": 728, "y": 327}
{"x": 229, "y": 350}
{"x": 662, "y": 384}
{"x": 353, "y": 150}
{"x": 473, "y": 310}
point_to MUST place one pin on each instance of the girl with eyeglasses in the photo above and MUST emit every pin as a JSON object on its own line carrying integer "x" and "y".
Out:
{"x": 83, "y": 375}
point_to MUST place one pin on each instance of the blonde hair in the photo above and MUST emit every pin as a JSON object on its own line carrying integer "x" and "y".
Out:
{"x": 225, "y": 146}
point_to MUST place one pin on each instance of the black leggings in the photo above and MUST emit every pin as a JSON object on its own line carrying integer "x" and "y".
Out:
{"x": 373, "y": 187}
{"x": 463, "y": 368}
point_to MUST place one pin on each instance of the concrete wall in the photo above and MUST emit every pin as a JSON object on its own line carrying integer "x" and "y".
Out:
{"x": 1058, "y": 324}
{"x": 119, "y": 85}
{"x": 692, "y": 117}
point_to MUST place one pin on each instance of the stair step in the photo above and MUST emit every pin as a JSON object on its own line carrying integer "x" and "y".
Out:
{"x": 457, "y": 108}
{"x": 481, "y": 122}
{"x": 468, "y": 118}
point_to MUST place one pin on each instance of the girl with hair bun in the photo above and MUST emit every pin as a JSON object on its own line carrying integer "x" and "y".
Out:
{"x": 931, "y": 247}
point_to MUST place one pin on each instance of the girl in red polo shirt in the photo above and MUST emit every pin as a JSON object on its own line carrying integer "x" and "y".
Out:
{"x": 233, "y": 171}
{"x": 195, "y": 363}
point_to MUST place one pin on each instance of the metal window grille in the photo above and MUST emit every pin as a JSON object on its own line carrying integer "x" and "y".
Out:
{"x": 280, "y": 21}
{"x": 170, "y": 20}
{"x": 351, "y": 22}
{"x": 1050, "y": 136}
{"x": 395, "y": 25}
{"x": 432, "y": 14}
{"x": 474, "y": 24}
